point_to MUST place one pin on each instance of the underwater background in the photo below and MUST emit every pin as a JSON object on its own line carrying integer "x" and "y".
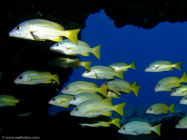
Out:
{"x": 165, "y": 41}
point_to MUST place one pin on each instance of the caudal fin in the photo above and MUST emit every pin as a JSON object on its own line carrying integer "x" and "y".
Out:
{"x": 119, "y": 74}
{"x": 103, "y": 90}
{"x": 136, "y": 90}
{"x": 184, "y": 77}
{"x": 156, "y": 129}
{"x": 120, "y": 108}
{"x": 133, "y": 65}
{"x": 86, "y": 65}
{"x": 116, "y": 122}
{"x": 72, "y": 35}
{"x": 172, "y": 108}
{"x": 178, "y": 65}
{"x": 96, "y": 51}
{"x": 56, "y": 78}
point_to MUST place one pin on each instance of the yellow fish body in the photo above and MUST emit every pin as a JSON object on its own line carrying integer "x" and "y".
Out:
{"x": 116, "y": 122}
{"x": 160, "y": 108}
{"x": 77, "y": 87}
{"x": 8, "y": 100}
{"x": 180, "y": 91}
{"x": 102, "y": 72}
{"x": 138, "y": 128}
{"x": 95, "y": 108}
{"x": 123, "y": 66}
{"x": 61, "y": 100}
{"x": 118, "y": 85}
{"x": 183, "y": 101}
{"x": 160, "y": 66}
{"x": 182, "y": 123}
{"x": 70, "y": 62}
{"x": 32, "y": 77}
{"x": 70, "y": 48}
{"x": 84, "y": 96}
{"x": 166, "y": 84}
{"x": 40, "y": 29}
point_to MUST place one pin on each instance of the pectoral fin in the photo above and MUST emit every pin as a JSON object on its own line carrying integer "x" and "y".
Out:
{"x": 35, "y": 37}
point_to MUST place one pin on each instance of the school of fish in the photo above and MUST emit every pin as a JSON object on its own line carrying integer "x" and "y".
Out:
{"x": 88, "y": 99}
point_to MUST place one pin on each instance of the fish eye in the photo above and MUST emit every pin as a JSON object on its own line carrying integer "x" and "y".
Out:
{"x": 158, "y": 85}
{"x": 185, "y": 98}
{"x": 74, "y": 98}
{"x": 57, "y": 44}
{"x": 174, "y": 90}
{"x": 76, "y": 109}
{"x": 53, "y": 99}
{"x": 20, "y": 77}
{"x": 18, "y": 28}
{"x": 150, "y": 109}
{"x": 66, "y": 88}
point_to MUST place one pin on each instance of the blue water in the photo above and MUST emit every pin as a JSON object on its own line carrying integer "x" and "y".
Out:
{"x": 166, "y": 41}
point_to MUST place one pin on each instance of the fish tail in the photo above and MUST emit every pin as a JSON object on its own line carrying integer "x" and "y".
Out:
{"x": 103, "y": 90}
{"x": 119, "y": 74}
{"x": 156, "y": 129}
{"x": 178, "y": 65}
{"x": 86, "y": 65}
{"x": 134, "y": 84}
{"x": 96, "y": 51}
{"x": 16, "y": 101}
{"x": 116, "y": 122}
{"x": 172, "y": 108}
{"x": 120, "y": 108}
{"x": 133, "y": 65}
{"x": 72, "y": 35}
{"x": 56, "y": 78}
{"x": 108, "y": 100}
{"x": 184, "y": 77}
{"x": 136, "y": 90}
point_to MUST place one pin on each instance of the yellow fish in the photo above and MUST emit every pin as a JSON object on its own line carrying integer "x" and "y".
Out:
{"x": 95, "y": 108}
{"x": 70, "y": 48}
{"x": 139, "y": 127}
{"x": 166, "y": 84}
{"x": 67, "y": 62}
{"x": 160, "y": 66}
{"x": 183, "y": 101}
{"x": 182, "y": 123}
{"x": 123, "y": 66}
{"x": 8, "y": 100}
{"x": 160, "y": 108}
{"x": 118, "y": 86}
{"x": 40, "y": 29}
{"x": 32, "y": 77}
{"x": 61, "y": 100}
{"x": 77, "y": 87}
{"x": 102, "y": 72}
{"x": 116, "y": 122}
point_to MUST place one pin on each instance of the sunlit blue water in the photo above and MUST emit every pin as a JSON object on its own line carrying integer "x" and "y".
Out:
{"x": 166, "y": 41}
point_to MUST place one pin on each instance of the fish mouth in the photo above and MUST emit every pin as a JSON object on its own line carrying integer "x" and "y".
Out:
{"x": 147, "y": 112}
{"x": 10, "y": 34}
{"x": 181, "y": 101}
{"x": 16, "y": 82}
